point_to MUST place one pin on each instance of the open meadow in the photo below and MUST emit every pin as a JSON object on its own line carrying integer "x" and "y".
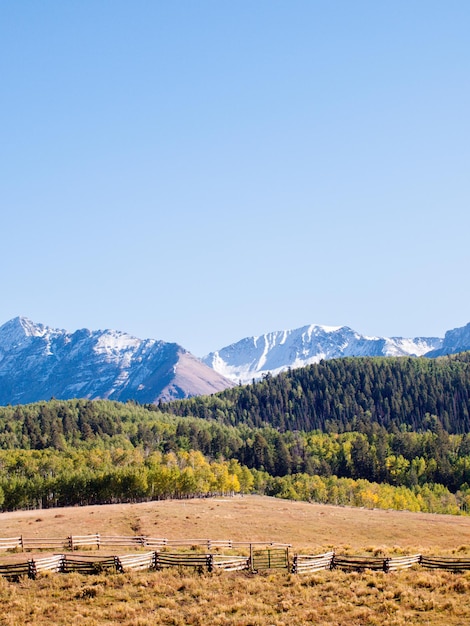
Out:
{"x": 415, "y": 596}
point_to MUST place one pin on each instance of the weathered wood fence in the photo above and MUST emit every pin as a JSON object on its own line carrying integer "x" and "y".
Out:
{"x": 301, "y": 564}
{"x": 75, "y": 542}
{"x": 262, "y": 556}
{"x": 86, "y": 564}
{"x": 455, "y": 565}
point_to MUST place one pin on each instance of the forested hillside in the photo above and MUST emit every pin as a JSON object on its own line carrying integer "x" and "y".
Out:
{"x": 80, "y": 452}
{"x": 341, "y": 394}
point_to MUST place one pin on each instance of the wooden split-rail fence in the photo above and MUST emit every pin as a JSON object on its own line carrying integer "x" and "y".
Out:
{"x": 262, "y": 556}
{"x": 75, "y": 542}
{"x": 304, "y": 564}
{"x": 87, "y": 564}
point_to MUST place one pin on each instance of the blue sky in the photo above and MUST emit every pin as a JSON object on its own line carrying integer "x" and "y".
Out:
{"x": 203, "y": 171}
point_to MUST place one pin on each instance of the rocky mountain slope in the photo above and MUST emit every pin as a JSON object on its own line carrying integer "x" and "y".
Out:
{"x": 38, "y": 362}
{"x": 456, "y": 340}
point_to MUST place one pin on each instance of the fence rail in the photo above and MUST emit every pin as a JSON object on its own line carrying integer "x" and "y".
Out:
{"x": 44, "y": 543}
{"x": 198, "y": 561}
{"x": 359, "y": 562}
{"x": 11, "y": 543}
{"x": 452, "y": 564}
{"x": 73, "y": 542}
{"x": 88, "y": 565}
{"x": 136, "y": 561}
{"x": 306, "y": 563}
{"x": 402, "y": 562}
{"x": 153, "y": 542}
{"x": 16, "y": 570}
{"x": 53, "y": 563}
{"x": 231, "y": 563}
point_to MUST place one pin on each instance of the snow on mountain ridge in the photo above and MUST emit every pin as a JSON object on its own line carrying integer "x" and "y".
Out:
{"x": 253, "y": 357}
{"x": 117, "y": 345}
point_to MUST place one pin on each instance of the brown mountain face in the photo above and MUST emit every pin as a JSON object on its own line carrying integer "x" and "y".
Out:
{"x": 193, "y": 378}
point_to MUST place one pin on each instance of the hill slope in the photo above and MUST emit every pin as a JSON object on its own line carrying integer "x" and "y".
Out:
{"x": 337, "y": 394}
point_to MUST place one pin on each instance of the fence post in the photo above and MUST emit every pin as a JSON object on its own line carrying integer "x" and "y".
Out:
{"x": 294, "y": 564}
{"x": 118, "y": 565}
{"x": 70, "y": 540}
{"x": 156, "y": 560}
{"x": 22, "y": 543}
{"x": 386, "y": 565}
{"x": 251, "y": 558}
{"x": 32, "y": 569}
{"x": 210, "y": 562}
{"x": 98, "y": 541}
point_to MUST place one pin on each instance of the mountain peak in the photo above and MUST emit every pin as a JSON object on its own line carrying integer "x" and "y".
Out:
{"x": 30, "y": 328}
{"x": 19, "y": 330}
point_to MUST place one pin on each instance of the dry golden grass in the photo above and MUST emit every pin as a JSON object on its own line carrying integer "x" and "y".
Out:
{"x": 183, "y": 598}
{"x": 170, "y": 597}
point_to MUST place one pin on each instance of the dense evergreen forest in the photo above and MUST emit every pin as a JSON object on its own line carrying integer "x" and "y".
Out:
{"x": 81, "y": 452}
{"x": 391, "y": 433}
{"x": 338, "y": 395}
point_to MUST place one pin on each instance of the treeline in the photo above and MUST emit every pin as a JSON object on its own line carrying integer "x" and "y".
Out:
{"x": 430, "y": 498}
{"x": 336, "y": 395}
{"x": 48, "y": 478}
{"x": 400, "y": 458}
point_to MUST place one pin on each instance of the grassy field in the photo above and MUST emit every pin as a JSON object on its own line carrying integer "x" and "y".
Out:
{"x": 274, "y": 598}
{"x": 255, "y": 518}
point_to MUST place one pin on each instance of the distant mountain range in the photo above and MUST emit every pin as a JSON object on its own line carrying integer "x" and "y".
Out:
{"x": 274, "y": 352}
{"x": 38, "y": 362}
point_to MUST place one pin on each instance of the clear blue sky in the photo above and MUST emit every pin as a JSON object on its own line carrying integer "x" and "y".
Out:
{"x": 201, "y": 171}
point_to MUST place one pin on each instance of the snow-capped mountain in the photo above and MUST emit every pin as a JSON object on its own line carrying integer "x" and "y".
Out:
{"x": 38, "y": 362}
{"x": 274, "y": 352}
